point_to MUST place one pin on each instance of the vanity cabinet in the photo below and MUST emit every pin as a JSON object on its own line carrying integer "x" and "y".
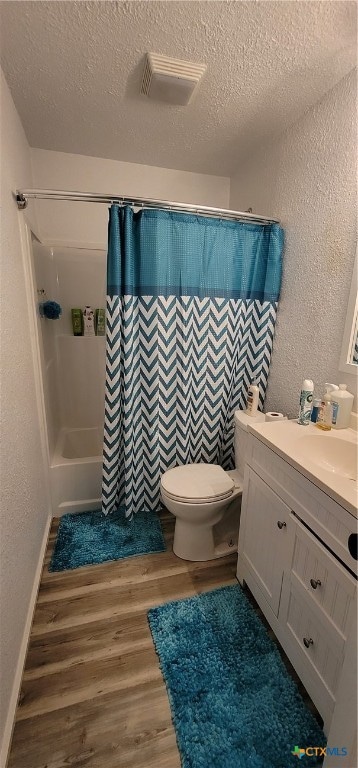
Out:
{"x": 268, "y": 537}
{"x": 315, "y": 614}
{"x": 294, "y": 558}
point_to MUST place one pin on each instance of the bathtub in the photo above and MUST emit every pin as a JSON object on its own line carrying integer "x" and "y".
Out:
{"x": 76, "y": 471}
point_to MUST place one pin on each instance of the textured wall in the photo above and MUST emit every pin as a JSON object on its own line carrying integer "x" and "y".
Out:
{"x": 87, "y": 222}
{"x": 308, "y": 180}
{"x": 24, "y": 508}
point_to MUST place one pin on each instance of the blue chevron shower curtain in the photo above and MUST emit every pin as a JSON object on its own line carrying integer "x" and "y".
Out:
{"x": 191, "y": 309}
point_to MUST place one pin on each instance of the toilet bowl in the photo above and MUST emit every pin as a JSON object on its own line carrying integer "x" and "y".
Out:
{"x": 206, "y": 501}
{"x": 198, "y": 495}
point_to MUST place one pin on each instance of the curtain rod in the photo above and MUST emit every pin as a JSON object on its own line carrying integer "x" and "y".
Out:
{"x": 23, "y": 195}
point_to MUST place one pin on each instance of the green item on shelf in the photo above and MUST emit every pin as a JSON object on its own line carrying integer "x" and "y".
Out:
{"x": 77, "y": 323}
{"x": 100, "y": 322}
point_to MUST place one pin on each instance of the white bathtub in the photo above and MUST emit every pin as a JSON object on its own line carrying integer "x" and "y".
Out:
{"x": 76, "y": 471}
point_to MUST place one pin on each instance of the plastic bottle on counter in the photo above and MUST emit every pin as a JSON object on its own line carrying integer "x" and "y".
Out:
{"x": 342, "y": 402}
{"x": 324, "y": 418}
{"x": 315, "y": 409}
{"x": 306, "y": 396}
{"x": 252, "y": 400}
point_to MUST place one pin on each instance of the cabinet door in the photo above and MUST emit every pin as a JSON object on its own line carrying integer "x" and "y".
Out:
{"x": 316, "y": 573}
{"x": 315, "y": 649}
{"x": 266, "y": 537}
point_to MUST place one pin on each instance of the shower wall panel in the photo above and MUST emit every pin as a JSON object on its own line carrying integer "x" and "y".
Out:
{"x": 81, "y": 281}
{"x": 81, "y": 366}
{"x": 45, "y": 273}
{"x": 73, "y": 368}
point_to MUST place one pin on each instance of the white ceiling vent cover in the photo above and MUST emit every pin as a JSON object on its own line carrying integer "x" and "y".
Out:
{"x": 170, "y": 80}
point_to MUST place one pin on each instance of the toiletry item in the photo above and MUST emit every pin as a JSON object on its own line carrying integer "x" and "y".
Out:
{"x": 100, "y": 322}
{"x": 88, "y": 321}
{"x": 252, "y": 400}
{"x": 51, "y": 309}
{"x": 306, "y": 396}
{"x": 274, "y": 416}
{"x": 342, "y": 402}
{"x": 315, "y": 409}
{"x": 324, "y": 416}
{"x": 76, "y": 321}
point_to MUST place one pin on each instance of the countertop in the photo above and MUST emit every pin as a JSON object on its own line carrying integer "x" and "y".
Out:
{"x": 285, "y": 439}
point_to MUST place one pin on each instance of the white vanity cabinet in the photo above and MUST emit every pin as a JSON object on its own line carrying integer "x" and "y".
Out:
{"x": 290, "y": 534}
{"x": 268, "y": 537}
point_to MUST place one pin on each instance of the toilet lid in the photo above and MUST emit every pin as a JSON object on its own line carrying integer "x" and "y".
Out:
{"x": 197, "y": 483}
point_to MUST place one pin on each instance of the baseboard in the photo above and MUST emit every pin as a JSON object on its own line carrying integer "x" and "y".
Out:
{"x": 6, "y": 741}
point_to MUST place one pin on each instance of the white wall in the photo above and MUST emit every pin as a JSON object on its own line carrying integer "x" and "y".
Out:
{"x": 24, "y": 500}
{"x": 307, "y": 179}
{"x": 86, "y": 223}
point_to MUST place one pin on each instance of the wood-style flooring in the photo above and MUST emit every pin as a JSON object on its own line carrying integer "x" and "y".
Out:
{"x": 92, "y": 693}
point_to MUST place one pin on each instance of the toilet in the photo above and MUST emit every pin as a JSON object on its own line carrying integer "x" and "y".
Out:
{"x": 206, "y": 501}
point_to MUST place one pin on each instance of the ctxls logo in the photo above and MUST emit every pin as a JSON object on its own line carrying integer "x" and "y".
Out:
{"x": 298, "y": 752}
{"x": 319, "y": 751}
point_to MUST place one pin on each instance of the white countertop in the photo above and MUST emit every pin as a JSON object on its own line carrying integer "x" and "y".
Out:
{"x": 285, "y": 439}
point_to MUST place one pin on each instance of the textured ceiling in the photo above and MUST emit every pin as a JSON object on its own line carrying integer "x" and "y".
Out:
{"x": 74, "y": 69}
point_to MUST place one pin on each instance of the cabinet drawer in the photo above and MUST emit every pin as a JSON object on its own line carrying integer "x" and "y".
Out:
{"x": 315, "y": 652}
{"x": 329, "y": 586}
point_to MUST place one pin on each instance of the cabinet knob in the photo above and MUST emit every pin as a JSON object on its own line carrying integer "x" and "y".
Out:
{"x": 315, "y": 583}
{"x": 307, "y": 641}
{"x": 281, "y": 524}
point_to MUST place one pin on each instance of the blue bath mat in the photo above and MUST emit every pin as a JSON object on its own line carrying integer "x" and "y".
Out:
{"x": 89, "y": 538}
{"x": 234, "y": 705}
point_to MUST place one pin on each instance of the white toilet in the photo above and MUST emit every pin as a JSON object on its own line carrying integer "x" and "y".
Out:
{"x": 206, "y": 501}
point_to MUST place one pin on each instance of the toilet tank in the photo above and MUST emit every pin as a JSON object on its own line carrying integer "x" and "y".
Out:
{"x": 241, "y": 420}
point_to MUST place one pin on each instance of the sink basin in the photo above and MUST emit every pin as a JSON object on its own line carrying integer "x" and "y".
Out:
{"x": 330, "y": 453}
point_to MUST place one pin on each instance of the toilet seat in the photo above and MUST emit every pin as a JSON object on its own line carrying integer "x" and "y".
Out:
{"x": 197, "y": 484}
{"x": 207, "y": 500}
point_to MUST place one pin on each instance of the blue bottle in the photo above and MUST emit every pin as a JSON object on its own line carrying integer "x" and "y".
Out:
{"x": 315, "y": 409}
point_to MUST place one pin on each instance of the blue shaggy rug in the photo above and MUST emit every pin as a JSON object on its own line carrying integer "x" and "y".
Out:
{"x": 89, "y": 538}
{"x": 233, "y": 703}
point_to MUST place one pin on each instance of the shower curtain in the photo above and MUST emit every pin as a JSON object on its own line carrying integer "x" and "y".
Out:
{"x": 191, "y": 309}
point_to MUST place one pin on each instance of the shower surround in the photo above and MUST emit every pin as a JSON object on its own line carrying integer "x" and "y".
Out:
{"x": 73, "y": 375}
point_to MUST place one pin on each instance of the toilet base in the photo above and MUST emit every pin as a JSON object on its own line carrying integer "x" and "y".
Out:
{"x": 198, "y": 544}
{"x": 193, "y": 542}
{"x": 226, "y": 548}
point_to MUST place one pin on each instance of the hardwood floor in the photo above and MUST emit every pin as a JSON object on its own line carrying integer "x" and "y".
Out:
{"x": 92, "y": 693}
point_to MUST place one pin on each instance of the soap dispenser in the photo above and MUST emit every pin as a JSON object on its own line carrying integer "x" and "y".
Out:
{"x": 324, "y": 418}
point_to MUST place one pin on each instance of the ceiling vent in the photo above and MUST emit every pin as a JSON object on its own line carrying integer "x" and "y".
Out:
{"x": 170, "y": 80}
